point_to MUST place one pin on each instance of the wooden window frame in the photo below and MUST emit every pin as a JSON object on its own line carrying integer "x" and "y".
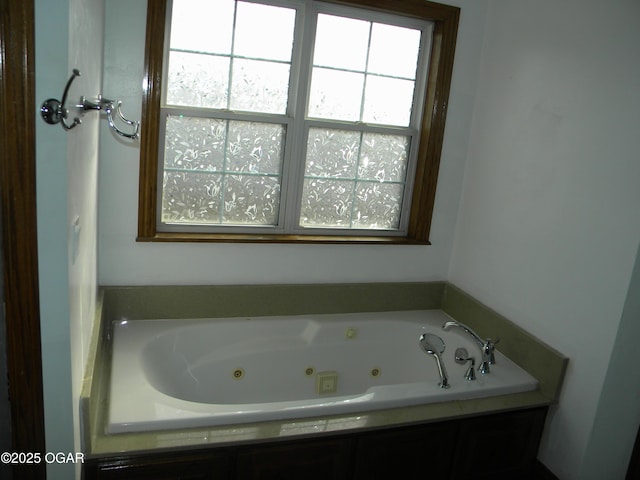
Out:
{"x": 445, "y": 19}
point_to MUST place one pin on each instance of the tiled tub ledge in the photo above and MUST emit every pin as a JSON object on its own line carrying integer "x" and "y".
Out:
{"x": 169, "y": 302}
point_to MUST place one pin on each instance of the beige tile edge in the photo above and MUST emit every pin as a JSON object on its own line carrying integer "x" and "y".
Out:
{"x": 541, "y": 360}
{"x": 109, "y": 445}
{"x": 263, "y": 300}
{"x": 87, "y": 393}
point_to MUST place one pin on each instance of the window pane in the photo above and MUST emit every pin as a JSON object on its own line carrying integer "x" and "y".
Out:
{"x": 394, "y": 51}
{"x": 191, "y": 197}
{"x": 377, "y": 205}
{"x": 194, "y": 143}
{"x": 326, "y": 203}
{"x": 335, "y": 94}
{"x": 384, "y": 157}
{"x": 251, "y": 200}
{"x": 341, "y": 42}
{"x": 221, "y": 171}
{"x": 264, "y": 31}
{"x": 198, "y": 80}
{"x": 202, "y": 25}
{"x": 354, "y": 179}
{"x": 332, "y": 153}
{"x": 259, "y": 86}
{"x": 388, "y": 101}
{"x": 255, "y": 147}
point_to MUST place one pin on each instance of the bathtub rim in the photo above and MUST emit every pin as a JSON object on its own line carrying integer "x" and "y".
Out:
{"x": 539, "y": 359}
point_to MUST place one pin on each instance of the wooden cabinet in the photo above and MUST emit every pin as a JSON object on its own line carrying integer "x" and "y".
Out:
{"x": 168, "y": 466}
{"x": 490, "y": 446}
{"x": 407, "y": 453}
{"x": 498, "y": 446}
{"x": 309, "y": 460}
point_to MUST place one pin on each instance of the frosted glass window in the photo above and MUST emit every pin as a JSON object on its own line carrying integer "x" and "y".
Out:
{"x": 221, "y": 171}
{"x": 354, "y": 180}
{"x": 326, "y": 203}
{"x": 198, "y": 80}
{"x": 332, "y": 153}
{"x": 289, "y": 117}
{"x": 259, "y": 86}
{"x": 193, "y": 143}
{"x": 383, "y": 157}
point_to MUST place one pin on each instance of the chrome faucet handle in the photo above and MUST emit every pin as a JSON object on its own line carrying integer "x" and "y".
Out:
{"x": 462, "y": 357}
{"x": 489, "y": 350}
{"x": 488, "y": 356}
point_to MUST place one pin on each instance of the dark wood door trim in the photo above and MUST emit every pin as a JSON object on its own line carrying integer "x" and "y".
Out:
{"x": 19, "y": 232}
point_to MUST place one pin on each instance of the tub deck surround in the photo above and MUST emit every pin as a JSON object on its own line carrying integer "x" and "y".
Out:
{"x": 194, "y": 373}
{"x": 200, "y": 302}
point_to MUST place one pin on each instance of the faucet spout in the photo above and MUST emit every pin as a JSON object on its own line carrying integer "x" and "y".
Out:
{"x": 487, "y": 347}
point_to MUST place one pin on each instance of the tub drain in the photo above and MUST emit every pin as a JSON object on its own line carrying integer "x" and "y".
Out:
{"x": 238, "y": 373}
{"x": 375, "y": 372}
{"x": 309, "y": 371}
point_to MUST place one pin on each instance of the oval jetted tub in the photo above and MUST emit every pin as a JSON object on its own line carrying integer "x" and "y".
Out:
{"x": 170, "y": 374}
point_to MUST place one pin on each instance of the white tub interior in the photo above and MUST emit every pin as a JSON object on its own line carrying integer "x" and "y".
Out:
{"x": 198, "y": 373}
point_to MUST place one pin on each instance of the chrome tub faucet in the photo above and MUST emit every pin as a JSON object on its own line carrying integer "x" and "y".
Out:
{"x": 487, "y": 347}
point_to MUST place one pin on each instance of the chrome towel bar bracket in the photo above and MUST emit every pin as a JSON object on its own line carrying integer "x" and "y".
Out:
{"x": 54, "y": 111}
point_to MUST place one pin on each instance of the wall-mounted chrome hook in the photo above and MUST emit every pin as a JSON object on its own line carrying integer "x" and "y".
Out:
{"x": 135, "y": 124}
{"x": 54, "y": 111}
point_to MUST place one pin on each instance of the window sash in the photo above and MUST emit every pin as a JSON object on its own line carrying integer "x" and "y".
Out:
{"x": 225, "y": 116}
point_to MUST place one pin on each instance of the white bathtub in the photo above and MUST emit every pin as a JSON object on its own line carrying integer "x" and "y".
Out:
{"x": 195, "y": 373}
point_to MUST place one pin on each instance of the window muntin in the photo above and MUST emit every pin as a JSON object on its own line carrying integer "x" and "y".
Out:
{"x": 438, "y": 78}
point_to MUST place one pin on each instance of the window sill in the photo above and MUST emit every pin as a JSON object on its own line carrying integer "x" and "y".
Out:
{"x": 308, "y": 239}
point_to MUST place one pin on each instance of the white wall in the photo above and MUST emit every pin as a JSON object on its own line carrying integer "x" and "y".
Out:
{"x": 68, "y": 35}
{"x": 85, "y": 53}
{"x": 123, "y": 261}
{"x": 618, "y": 414}
{"x": 548, "y": 227}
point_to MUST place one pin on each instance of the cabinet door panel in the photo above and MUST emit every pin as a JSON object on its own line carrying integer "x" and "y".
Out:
{"x": 499, "y": 446}
{"x": 167, "y": 467}
{"x": 318, "y": 460}
{"x": 415, "y": 453}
